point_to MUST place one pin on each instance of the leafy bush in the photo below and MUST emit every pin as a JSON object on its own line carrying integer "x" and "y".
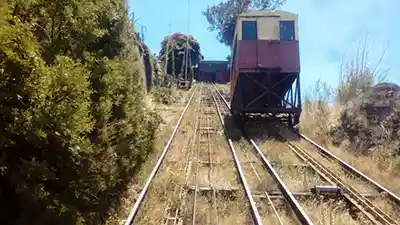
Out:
{"x": 74, "y": 127}
{"x": 165, "y": 95}
{"x": 373, "y": 118}
{"x": 364, "y": 115}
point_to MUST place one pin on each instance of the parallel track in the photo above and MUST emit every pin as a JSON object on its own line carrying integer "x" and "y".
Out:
{"x": 202, "y": 127}
{"x": 366, "y": 206}
{"x": 145, "y": 188}
{"x": 373, "y": 213}
{"x": 172, "y": 216}
{"x": 254, "y": 211}
{"x": 172, "y": 212}
{"x": 294, "y": 204}
{"x": 351, "y": 169}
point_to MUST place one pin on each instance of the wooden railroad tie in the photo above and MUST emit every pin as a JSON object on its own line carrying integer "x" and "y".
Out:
{"x": 317, "y": 190}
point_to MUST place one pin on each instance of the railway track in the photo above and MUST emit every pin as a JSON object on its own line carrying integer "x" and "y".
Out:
{"x": 217, "y": 179}
{"x": 140, "y": 198}
{"x": 207, "y": 190}
{"x": 204, "y": 198}
{"x": 258, "y": 158}
{"x": 343, "y": 182}
{"x": 340, "y": 184}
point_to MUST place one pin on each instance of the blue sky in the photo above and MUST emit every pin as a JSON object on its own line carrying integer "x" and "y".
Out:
{"x": 328, "y": 31}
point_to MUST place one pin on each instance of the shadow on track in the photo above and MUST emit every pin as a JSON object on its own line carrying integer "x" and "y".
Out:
{"x": 256, "y": 128}
{"x": 232, "y": 128}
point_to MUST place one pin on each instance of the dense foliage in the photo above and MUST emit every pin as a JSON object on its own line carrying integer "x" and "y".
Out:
{"x": 74, "y": 127}
{"x": 222, "y": 17}
{"x": 177, "y": 45}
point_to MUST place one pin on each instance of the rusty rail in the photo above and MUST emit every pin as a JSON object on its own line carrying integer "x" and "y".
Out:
{"x": 373, "y": 213}
{"x": 294, "y": 204}
{"x": 145, "y": 188}
{"x": 253, "y": 208}
{"x": 351, "y": 169}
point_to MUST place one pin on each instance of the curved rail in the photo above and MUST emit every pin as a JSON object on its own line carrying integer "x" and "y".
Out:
{"x": 254, "y": 211}
{"x": 294, "y": 204}
{"x": 143, "y": 192}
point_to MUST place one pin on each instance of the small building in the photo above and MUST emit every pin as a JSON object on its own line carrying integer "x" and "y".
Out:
{"x": 213, "y": 71}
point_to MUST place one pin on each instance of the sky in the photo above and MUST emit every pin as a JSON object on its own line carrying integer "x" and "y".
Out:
{"x": 329, "y": 31}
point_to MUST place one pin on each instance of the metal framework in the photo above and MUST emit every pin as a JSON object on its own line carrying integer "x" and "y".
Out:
{"x": 275, "y": 94}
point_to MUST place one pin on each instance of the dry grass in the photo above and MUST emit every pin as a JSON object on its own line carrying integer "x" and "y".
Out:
{"x": 224, "y": 87}
{"x": 268, "y": 215}
{"x": 165, "y": 188}
{"x": 316, "y": 122}
{"x": 170, "y": 115}
{"x": 164, "y": 191}
{"x": 302, "y": 179}
{"x": 318, "y": 118}
{"x": 330, "y": 213}
{"x": 233, "y": 212}
{"x": 381, "y": 165}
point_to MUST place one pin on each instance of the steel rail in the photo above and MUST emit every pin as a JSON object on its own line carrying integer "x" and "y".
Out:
{"x": 143, "y": 192}
{"x": 294, "y": 204}
{"x": 351, "y": 169}
{"x": 188, "y": 170}
{"x": 197, "y": 163}
{"x": 210, "y": 171}
{"x": 373, "y": 213}
{"x": 260, "y": 182}
{"x": 266, "y": 193}
{"x": 253, "y": 208}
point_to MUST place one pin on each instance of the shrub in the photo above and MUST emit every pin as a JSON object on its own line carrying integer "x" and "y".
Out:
{"x": 165, "y": 95}
{"x": 316, "y": 113}
{"x": 74, "y": 127}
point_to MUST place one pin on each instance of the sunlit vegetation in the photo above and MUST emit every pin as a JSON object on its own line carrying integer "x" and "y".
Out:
{"x": 222, "y": 16}
{"x": 74, "y": 125}
{"x": 359, "y": 120}
{"x": 179, "y": 55}
{"x": 183, "y": 54}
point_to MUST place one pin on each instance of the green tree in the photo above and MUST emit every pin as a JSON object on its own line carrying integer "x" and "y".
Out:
{"x": 177, "y": 45}
{"x": 222, "y": 17}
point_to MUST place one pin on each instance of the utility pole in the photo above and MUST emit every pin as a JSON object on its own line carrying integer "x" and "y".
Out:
{"x": 166, "y": 57}
{"x": 142, "y": 30}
